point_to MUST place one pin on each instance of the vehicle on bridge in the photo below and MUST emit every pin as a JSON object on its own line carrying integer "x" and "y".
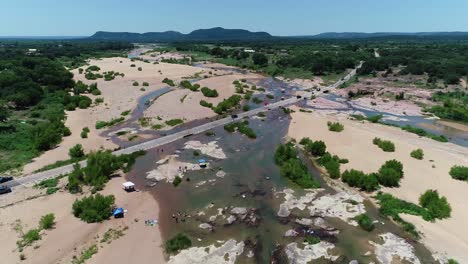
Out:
{"x": 5, "y": 179}
{"x": 5, "y": 189}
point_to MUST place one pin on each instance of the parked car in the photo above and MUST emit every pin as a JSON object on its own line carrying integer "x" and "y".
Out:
{"x": 298, "y": 97}
{"x": 234, "y": 116}
{"x": 5, "y": 179}
{"x": 5, "y": 189}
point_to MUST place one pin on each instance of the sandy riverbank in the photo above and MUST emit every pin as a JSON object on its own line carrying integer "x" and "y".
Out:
{"x": 71, "y": 236}
{"x": 119, "y": 95}
{"x": 185, "y": 104}
{"x": 355, "y": 143}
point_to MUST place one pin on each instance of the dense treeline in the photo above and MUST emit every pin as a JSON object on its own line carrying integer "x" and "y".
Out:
{"x": 448, "y": 62}
{"x": 35, "y": 90}
{"x": 454, "y": 105}
{"x": 276, "y": 59}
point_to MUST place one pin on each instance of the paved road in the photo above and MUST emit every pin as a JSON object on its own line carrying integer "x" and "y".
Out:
{"x": 36, "y": 177}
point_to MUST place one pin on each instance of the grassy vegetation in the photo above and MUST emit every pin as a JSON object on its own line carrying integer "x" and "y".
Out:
{"x": 227, "y": 104}
{"x": 432, "y": 207}
{"x": 59, "y": 163}
{"x": 177, "y": 243}
{"x": 174, "y": 122}
{"x": 385, "y": 145}
{"x": 85, "y": 255}
{"x": 459, "y": 173}
{"x": 242, "y": 127}
{"x": 291, "y": 167}
{"x": 335, "y": 126}
{"x": 417, "y": 154}
{"x": 423, "y": 133}
{"x": 112, "y": 122}
{"x": 45, "y": 223}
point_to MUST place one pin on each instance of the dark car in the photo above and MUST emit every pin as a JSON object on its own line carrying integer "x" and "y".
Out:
{"x": 5, "y": 179}
{"x": 298, "y": 97}
{"x": 234, "y": 116}
{"x": 5, "y": 189}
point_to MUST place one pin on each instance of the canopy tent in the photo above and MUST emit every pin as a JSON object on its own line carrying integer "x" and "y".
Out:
{"x": 118, "y": 213}
{"x": 128, "y": 186}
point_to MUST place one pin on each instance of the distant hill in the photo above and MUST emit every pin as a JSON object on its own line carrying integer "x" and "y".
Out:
{"x": 360, "y": 35}
{"x": 212, "y": 34}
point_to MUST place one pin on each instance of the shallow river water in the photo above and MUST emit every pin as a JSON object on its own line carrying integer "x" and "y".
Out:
{"x": 253, "y": 181}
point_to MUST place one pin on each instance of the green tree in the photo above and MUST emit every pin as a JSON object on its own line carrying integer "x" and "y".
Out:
{"x": 4, "y": 112}
{"x": 94, "y": 209}
{"x": 437, "y": 206}
{"x": 76, "y": 152}
{"x": 260, "y": 59}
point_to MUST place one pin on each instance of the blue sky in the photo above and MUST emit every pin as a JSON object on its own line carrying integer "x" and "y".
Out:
{"x": 285, "y": 17}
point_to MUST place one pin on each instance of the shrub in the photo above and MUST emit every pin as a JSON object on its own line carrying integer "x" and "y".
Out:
{"x": 28, "y": 238}
{"x": 145, "y": 84}
{"x": 177, "y": 181}
{"x": 389, "y": 177}
{"x": 335, "y": 126}
{"x": 242, "y": 127}
{"x": 135, "y": 83}
{"x": 76, "y": 152}
{"x": 84, "y": 132}
{"x": 437, "y": 206}
{"x": 206, "y": 104}
{"x": 417, "y": 154}
{"x": 375, "y": 118}
{"x": 459, "y": 173}
{"x": 365, "y": 222}
{"x": 385, "y": 145}
{"x": 48, "y": 183}
{"x": 209, "y": 92}
{"x": 126, "y": 113}
{"x": 84, "y": 102}
{"x": 316, "y": 148}
{"x": 94, "y": 209}
{"x": 369, "y": 182}
{"x": 93, "y": 68}
{"x": 256, "y": 100}
{"x": 246, "y": 108}
{"x": 174, "y": 122}
{"x": 178, "y": 242}
{"x": 139, "y": 68}
{"x": 312, "y": 240}
{"x": 47, "y": 221}
{"x": 333, "y": 168}
{"x": 168, "y": 82}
